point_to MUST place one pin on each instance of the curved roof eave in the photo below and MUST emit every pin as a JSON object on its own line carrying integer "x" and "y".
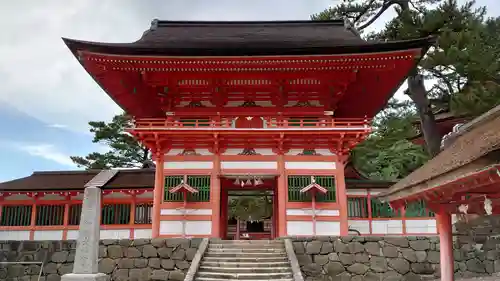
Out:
{"x": 241, "y": 49}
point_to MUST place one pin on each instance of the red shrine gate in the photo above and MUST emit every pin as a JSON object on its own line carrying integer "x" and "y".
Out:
{"x": 215, "y": 104}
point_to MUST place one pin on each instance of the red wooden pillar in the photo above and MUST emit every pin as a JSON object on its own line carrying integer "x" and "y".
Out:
{"x": 224, "y": 214}
{"x": 158, "y": 194}
{"x": 215, "y": 195}
{"x": 282, "y": 197}
{"x": 342, "y": 197}
{"x": 444, "y": 228}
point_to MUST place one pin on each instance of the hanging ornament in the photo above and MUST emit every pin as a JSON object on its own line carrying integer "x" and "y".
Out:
{"x": 488, "y": 207}
{"x": 463, "y": 208}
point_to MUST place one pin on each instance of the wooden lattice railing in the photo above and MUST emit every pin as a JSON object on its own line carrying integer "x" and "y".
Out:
{"x": 267, "y": 123}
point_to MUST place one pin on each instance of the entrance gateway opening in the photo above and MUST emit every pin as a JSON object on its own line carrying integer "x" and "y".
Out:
{"x": 248, "y": 207}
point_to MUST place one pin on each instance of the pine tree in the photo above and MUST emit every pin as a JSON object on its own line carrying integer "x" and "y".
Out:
{"x": 125, "y": 151}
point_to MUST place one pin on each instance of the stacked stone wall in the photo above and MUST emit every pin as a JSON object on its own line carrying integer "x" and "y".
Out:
{"x": 122, "y": 260}
{"x": 390, "y": 258}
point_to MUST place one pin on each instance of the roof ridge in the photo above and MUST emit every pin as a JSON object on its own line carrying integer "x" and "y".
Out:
{"x": 65, "y": 172}
{"x": 168, "y": 23}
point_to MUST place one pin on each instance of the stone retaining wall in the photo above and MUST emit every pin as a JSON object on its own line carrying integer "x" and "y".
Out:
{"x": 122, "y": 260}
{"x": 390, "y": 258}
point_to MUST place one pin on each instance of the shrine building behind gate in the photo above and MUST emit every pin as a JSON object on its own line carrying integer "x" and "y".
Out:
{"x": 251, "y": 106}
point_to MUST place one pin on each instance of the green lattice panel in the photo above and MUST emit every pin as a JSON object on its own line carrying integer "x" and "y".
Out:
{"x": 383, "y": 210}
{"x": 115, "y": 214}
{"x": 202, "y": 183}
{"x": 192, "y": 122}
{"x": 306, "y": 122}
{"x": 357, "y": 207}
{"x": 16, "y": 215}
{"x": 296, "y": 183}
{"x": 417, "y": 209}
{"x": 49, "y": 215}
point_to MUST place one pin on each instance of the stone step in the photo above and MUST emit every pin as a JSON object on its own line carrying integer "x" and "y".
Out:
{"x": 248, "y": 242}
{"x": 252, "y": 276}
{"x": 231, "y": 264}
{"x": 246, "y": 246}
{"x": 245, "y": 259}
{"x": 240, "y": 279}
{"x": 245, "y": 269}
{"x": 241, "y": 254}
{"x": 241, "y": 250}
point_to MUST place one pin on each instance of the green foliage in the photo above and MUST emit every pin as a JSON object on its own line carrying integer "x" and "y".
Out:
{"x": 125, "y": 151}
{"x": 463, "y": 66}
{"x": 387, "y": 154}
{"x": 250, "y": 208}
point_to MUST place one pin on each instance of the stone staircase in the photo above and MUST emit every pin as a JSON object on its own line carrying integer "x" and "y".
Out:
{"x": 252, "y": 260}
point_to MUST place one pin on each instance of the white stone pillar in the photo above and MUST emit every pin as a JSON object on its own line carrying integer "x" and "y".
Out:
{"x": 85, "y": 267}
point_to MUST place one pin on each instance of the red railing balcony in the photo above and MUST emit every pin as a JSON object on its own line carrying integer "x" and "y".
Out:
{"x": 267, "y": 123}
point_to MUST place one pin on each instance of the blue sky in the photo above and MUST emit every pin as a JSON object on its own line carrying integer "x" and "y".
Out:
{"x": 47, "y": 99}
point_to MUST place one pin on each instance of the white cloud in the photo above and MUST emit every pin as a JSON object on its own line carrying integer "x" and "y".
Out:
{"x": 47, "y": 151}
{"x": 57, "y": 126}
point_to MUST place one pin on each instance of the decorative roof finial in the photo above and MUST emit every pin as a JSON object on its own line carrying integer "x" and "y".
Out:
{"x": 154, "y": 24}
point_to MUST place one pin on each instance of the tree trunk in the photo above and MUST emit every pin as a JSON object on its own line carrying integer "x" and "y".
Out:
{"x": 418, "y": 94}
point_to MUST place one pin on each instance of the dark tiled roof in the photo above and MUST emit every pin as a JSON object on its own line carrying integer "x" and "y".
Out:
{"x": 75, "y": 180}
{"x": 133, "y": 178}
{"x": 474, "y": 140}
{"x": 199, "y": 38}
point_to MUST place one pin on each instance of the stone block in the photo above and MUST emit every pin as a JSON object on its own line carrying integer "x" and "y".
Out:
{"x": 400, "y": 265}
{"x": 378, "y": 264}
{"x": 358, "y": 268}
{"x": 397, "y": 241}
{"x": 314, "y": 247}
{"x": 373, "y": 248}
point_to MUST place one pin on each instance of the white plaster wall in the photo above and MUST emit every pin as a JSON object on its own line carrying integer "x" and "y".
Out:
{"x": 294, "y": 151}
{"x": 145, "y": 195}
{"x": 116, "y": 195}
{"x": 357, "y": 192}
{"x": 376, "y": 191}
{"x": 115, "y": 234}
{"x": 188, "y": 211}
{"x": 324, "y": 152}
{"x": 310, "y": 165}
{"x": 248, "y": 165}
{"x": 177, "y": 151}
{"x": 72, "y": 235}
{"x": 308, "y": 212}
{"x": 299, "y": 228}
{"x": 198, "y": 228}
{"x": 387, "y": 227}
{"x": 77, "y": 197}
{"x": 170, "y": 227}
{"x": 143, "y": 233}
{"x": 173, "y": 152}
{"x": 52, "y": 197}
{"x": 363, "y": 226}
{"x": 421, "y": 226}
{"x": 189, "y": 165}
{"x": 18, "y": 197}
{"x": 328, "y": 228}
{"x": 192, "y": 228}
{"x": 48, "y": 235}
{"x": 15, "y": 235}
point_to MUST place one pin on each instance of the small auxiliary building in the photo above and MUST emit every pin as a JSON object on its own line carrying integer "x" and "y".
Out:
{"x": 233, "y": 106}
